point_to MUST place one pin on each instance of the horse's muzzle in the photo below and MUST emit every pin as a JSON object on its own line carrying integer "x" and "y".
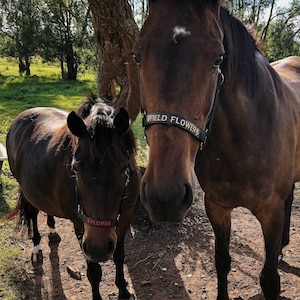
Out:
{"x": 99, "y": 246}
{"x": 166, "y": 205}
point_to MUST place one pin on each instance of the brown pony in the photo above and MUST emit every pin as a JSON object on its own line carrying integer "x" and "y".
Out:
{"x": 213, "y": 104}
{"x": 79, "y": 166}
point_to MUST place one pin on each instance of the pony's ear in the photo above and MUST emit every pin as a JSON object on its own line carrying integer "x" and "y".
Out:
{"x": 121, "y": 120}
{"x": 76, "y": 124}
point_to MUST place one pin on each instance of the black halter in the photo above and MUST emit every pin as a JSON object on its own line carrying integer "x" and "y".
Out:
{"x": 102, "y": 223}
{"x": 178, "y": 121}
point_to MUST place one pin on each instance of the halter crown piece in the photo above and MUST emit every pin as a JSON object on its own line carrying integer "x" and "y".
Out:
{"x": 178, "y": 121}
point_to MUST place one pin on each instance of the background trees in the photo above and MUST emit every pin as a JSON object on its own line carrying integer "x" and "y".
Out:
{"x": 20, "y": 28}
{"x": 54, "y": 29}
{"x": 277, "y": 24}
{"x": 62, "y": 30}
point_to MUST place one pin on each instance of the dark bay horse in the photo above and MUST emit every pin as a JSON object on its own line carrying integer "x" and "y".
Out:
{"x": 79, "y": 166}
{"x": 213, "y": 104}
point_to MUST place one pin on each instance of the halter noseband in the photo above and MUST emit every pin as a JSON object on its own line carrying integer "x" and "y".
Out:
{"x": 178, "y": 121}
{"x": 102, "y": 223}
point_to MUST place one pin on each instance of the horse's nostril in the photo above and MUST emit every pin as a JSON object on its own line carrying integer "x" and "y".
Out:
{"x": 111, "y": 246}
{"x": 188, "y": 194}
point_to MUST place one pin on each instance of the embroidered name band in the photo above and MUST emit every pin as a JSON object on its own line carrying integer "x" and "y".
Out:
{"x": 97, "y": 222}
{"x": 174, "y": 120}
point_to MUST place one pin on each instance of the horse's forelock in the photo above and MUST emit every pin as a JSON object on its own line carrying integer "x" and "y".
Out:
{"x": 86, "y": 108}
{"x": 107, "y": 142}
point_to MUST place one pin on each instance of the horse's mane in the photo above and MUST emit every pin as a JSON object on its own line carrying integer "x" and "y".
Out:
{"x": 240, "y": 65}
{"x": 108, "y": 141}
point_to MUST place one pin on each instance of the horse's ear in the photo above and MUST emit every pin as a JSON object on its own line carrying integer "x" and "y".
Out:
{"x": 76, "y": 124}
{"x": 121, "y": 120}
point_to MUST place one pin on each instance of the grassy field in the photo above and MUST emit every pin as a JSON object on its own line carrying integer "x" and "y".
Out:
{"x": 17, "y": 93}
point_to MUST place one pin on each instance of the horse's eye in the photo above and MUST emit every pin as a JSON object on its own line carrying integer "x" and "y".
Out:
{"x": 136, "y": 59}
{"x": 218, "y": 61}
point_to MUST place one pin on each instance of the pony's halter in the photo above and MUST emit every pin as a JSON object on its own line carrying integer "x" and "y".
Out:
{"x": 103, "y": 223}
{"x": 178, "y": 121}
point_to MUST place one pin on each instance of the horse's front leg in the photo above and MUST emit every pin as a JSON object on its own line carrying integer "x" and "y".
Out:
{"x": 220, "y": 219}
{"x": 119, "y": 258}
{"x": 94, "y": 271}
{"x": 272, "y": 223}
{"x": 94, "y": 275}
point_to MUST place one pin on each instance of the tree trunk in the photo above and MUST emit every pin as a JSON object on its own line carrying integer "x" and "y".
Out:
{"x": 71, "y": 63}
{"x": 27, "y": 66}
{"x": 22, "y": 67}
{"x": 115, "y": 34}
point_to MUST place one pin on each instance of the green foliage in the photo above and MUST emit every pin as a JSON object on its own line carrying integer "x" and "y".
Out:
{"x": 15, "y": 283}
{"x": 21, "y": 26}
{"x": 143, "y": 149}
{"x": 19, "y": 93}
{"x": 280, "y": 41}
{"x": 52, "y": 29}
{"x": 277, "y": 27}
{"x": 67, "y": 35}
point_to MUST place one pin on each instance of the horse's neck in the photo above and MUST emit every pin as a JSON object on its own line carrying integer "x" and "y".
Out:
{"x": 243, "y": 110}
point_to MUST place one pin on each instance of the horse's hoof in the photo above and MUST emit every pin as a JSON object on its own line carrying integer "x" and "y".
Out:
{"x": 54, "y": 238}
{"x": 37, "y": 259}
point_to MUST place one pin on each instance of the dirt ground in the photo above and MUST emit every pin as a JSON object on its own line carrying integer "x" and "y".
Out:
{"x": 168, "y": 261}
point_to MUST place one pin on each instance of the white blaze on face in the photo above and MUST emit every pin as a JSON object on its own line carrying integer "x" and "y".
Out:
{"x": 179, "y": 32}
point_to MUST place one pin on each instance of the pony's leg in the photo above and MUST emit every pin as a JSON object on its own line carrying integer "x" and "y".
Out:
{"x": 51, "y": 224}
{"x": 37, "y": 254}
{"x": 220, "y": 219}
{"x": 272, "y": 221}
{"x": 53, "y": 236}
{"x": 287, "y": 221}
{"x": 119, "y": 258}
{"x": 94, "y": 275}
{"x": 94, "y": 271}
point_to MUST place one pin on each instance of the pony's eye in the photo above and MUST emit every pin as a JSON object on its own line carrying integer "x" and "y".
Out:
{"x": 218, "y": 61}
{"x": 136, "y": 59}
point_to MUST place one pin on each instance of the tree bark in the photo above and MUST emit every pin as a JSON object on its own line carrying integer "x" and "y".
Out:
{"x": 115, "y": 34}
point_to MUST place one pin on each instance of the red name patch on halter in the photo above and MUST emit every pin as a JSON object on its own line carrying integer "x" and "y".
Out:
{"x": 99, "y": 223}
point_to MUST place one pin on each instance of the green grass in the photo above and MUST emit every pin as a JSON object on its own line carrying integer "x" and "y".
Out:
{"x": 43, "y": 88}
{"x": 17, "y": 93}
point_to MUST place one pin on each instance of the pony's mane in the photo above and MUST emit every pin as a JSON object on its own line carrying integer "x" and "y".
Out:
{"x": 108, "y": 141}
{"x": 240, "y": 65}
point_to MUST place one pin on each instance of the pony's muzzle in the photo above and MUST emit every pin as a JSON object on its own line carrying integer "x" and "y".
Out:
{"x": 100, "y": 248}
